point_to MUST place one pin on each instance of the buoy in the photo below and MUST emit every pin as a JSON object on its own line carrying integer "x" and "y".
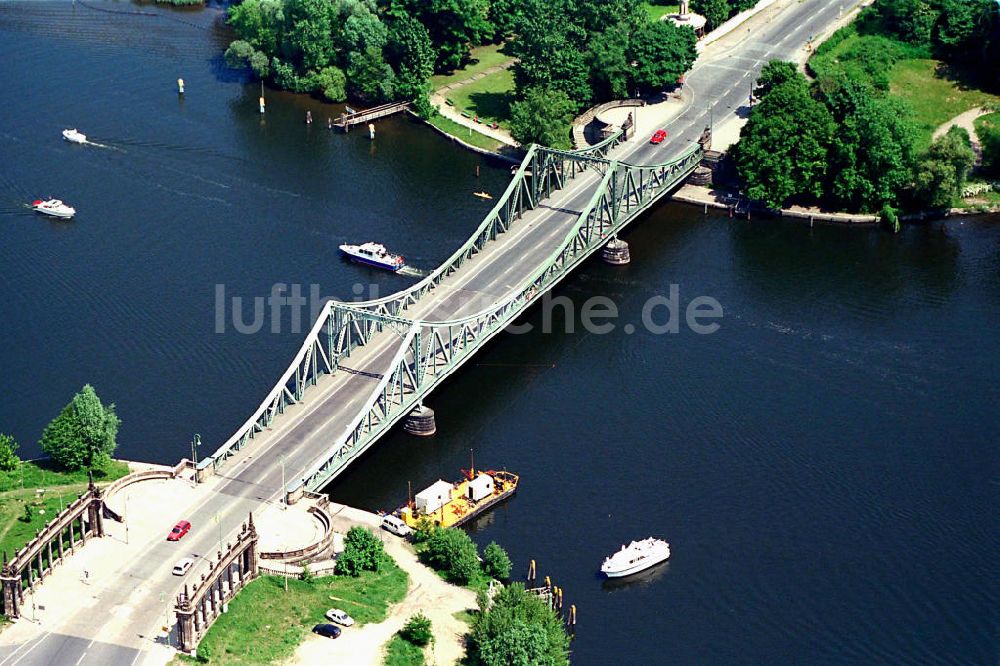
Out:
{"x": 180, "y": 86}
{"x": 572, "y": 615}
{"x": 329, "y": 123}
{"x": 262, "y": 104}
{"x": 371, "y": 130}
{"x": 531, "y": 570}
{"x": 309, "y": 117}
{"x": 548, "y": 582}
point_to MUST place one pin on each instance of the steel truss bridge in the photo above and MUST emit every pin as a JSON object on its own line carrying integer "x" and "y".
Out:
{"x": 418, "y": 348}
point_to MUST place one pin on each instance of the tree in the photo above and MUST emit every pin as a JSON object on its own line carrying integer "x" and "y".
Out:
{"x": 940, "y": 174}
{"x": 307, "y": 39}
{"x": 29, "y": 513}
{"x": 518, "y": 629}
{"x": 363, "y": 551}
{"x": 872, "y": 154}
{"x": 988, "y": 131}
{"x": 8, "y": 453}
{"x": 453, "y": 26}
{"x": 609, "y": 64}
{"x": 715, "y": 11}
{"x": 543, "y": 117}
{"x": 496, "y": 562}
{"x": 259, "y": 22}
{"x": 306, "y": 575}
{"x": 331, "y": 82}
{"x": 237, "y": 56}
{"x": 911, "y": 20}
{"x": 411, "y": 54}
{"x": 661, "y": 52}
{"x": 417, "y": 630}
{"x": 452, "y": 551}
{"x": 83, "y": 434}
{"x": 369, "y": 77}
{"x": 551, "y": 50}
{"x": 773, "y": 74}
{"x": 783, "y": 148}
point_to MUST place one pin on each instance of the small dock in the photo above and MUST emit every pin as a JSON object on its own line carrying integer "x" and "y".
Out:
{"x": 347, "y": 120}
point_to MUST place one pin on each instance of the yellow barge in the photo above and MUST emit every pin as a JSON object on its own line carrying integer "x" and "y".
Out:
{"x": 452, "y": 504}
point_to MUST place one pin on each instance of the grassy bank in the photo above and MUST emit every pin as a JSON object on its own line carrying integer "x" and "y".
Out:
{"x": 265, "y": 623}
{"x": 657, "y": 10}
{"x": 489, "y": 98}
{"x": 401, "y": 652}
{"x": 21, "y": 488}
{"x": 481, "y": 59}
{"x": 465, "y": 134}
{"x": 935, "y": 93}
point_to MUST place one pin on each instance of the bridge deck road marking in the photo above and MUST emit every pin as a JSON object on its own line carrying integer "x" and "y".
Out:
{"x": 37, "y": 643}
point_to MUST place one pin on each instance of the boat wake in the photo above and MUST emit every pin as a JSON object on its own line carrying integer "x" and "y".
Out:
{"x": 410, "y": 271}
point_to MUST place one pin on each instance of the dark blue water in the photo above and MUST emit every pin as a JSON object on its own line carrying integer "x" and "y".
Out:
{"x": 825, "y": 465}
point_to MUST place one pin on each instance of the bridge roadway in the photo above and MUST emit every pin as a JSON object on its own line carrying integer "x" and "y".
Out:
{"x": 721, "y": 76}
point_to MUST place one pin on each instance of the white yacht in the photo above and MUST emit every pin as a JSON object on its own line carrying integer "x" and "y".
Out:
{"x": 374, "y": 254}
{"x": 53, "y": 207}
{"x": 73, "y": 136}
{"x": 635, "y": 557}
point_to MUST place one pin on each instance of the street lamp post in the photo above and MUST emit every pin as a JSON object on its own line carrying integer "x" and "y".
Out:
{"x": 195, "y": 441}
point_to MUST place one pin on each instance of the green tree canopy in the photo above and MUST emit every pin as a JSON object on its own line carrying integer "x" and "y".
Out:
{"x": 363, "y": 551}
{"x": 452, "y": 551}
{"x": 551, "y": 51}
{"x": 369, "y": 77}
{"x": 518, "y": 629}
{"x": 83, "y": 434}
{"x": 453, "y": 26}
{"x": 988, "y": 131}
{"x": 543, "y": 117}
{"x": 496, "y": 562}
{"x": 773, "y": 74}
{"x": 783, "y": 148}
{"x": 661, "y": 52}
{"x": 417, "y": 630}
{"x": 410, "y": 52}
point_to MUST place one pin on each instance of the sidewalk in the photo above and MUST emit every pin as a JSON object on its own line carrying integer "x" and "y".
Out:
{"x": 438, "y": 100}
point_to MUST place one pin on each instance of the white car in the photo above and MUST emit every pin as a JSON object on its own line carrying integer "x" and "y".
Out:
{"x": 182, "y": 566}
{"x": 339, "y": 616}
{"x": 396, "y": 526}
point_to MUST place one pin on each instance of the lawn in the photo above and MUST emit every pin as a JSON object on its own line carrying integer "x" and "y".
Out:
{"x": 401, "y": 652}
{"x": 934, "y": 96}
{"x": 465, "y": 134}
{"x": 992, "y": 119}
{"x": 265, "y": 624}
{"x": 489, "y": 98}
{"x": 59, "y": 489}
{"x": 658, "y": 10}
{"x": 481, "y": 58}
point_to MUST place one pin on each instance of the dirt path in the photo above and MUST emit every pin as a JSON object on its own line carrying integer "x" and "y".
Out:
{"x": 429, "y": 594}
{"x": 450, "y": 112}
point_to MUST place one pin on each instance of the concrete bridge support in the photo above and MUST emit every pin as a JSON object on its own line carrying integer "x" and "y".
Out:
{"x": 420, "y": 422}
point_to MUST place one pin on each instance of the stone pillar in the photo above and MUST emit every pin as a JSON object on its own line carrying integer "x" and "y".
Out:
{"x": 41, "y": 566}
{"x": 94, "y": 512}
{"x": 11, "y": 581}
{"x": 186, "y": 637}
{"x": 52, "y": 564}
{"x": 62, "y": 532}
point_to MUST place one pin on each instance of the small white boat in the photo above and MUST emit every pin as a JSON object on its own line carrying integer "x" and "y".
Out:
{"x": 374, "y": 254}
{"x": 73, "y": 136}
{"x": 635, "y": 557}
{"x": 53, "y": 207}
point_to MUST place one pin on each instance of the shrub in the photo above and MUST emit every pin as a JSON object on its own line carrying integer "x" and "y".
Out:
{"x": 363, "y": 551}
{"x": 238, "y": 54}
{"x": 8, "y": 453}
{"x": 496, "y": 562}
{"x": 452, "y": 551}
{"x": 417, "y": 630}
{"x": 306, "y": 576}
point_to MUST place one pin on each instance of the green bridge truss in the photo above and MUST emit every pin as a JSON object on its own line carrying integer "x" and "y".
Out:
{"x": 427, "y": 351}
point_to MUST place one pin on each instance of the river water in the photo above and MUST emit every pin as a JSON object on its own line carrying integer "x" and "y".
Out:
{"x": 824, "y": 465}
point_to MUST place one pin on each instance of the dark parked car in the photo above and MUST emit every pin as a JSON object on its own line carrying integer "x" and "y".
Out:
{"x": 328, "y": 630}
{"x": 180, "y": 529}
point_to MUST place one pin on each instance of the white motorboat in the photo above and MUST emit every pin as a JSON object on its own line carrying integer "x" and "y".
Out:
{"x": 53, "y": 207}
{"x": 635, "y": 557}
{"x": 73, "y": 136}
{"x": 374, "y": 254}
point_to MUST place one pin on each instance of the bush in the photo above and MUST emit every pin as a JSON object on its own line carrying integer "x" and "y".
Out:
{"x": 238, "y": 54}
{"x": 331, "y": 83}
{"x": 417, "y": 630}
{"x": 518, "y": 628}
{"x": 306, "y": 576}
{"x": 363, "y": 551}
{"x": 988, "y": 131}
{"x": 8, "y": 453}
{"x": 496, "y": 562}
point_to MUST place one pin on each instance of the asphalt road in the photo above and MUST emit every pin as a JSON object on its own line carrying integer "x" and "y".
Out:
{"x": 719, "y": 85}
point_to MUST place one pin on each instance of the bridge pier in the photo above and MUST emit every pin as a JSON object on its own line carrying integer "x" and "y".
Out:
{"x": 420, "y": 422}
{"x": 616, "y": 252}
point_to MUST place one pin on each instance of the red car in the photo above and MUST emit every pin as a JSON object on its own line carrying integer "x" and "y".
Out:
{"x": 658, "y": 136}
{"x": 180, "y": 529}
